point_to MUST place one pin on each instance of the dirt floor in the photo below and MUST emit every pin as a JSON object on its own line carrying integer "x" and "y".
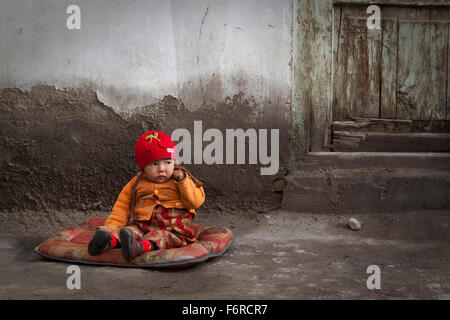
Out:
{"x": 275, "y": 255}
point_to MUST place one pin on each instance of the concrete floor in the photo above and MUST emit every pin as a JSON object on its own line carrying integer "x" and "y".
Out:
{"x": 275, "y": 255}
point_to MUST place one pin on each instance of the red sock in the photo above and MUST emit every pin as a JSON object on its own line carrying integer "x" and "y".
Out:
{"x": 113, "y": 241}
{"x": 147, "y": 245}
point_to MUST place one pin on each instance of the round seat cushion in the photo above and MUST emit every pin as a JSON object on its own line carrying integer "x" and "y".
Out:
{"x": 71, "y": 245}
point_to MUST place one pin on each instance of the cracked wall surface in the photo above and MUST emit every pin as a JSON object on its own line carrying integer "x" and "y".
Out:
{"x": 73, "y": 102}
{"x": 64, "y": 149}
{"x": 135, "y": 52}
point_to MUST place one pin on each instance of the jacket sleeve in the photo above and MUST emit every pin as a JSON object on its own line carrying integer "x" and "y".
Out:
{"x": 120, "y": 213}
{"x": 191, "y": 195}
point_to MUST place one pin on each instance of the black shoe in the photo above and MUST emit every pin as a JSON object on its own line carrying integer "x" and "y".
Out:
{"x": 100, "y": 242}
{"x": 131, "y": 248}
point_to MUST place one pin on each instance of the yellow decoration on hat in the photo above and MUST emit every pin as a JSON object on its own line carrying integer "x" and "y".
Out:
{"x": 151, "y": 136}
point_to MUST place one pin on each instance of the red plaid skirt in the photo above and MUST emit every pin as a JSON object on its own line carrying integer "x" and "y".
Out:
{"x": 167, "y": 228}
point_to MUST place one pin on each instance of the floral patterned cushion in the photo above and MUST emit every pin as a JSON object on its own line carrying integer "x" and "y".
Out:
{"x": 72, "y": 245}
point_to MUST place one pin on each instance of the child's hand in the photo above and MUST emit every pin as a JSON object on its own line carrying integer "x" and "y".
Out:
{"x": 178, "y": 175}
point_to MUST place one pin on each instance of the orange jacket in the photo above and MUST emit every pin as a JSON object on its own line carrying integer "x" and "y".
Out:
{"x": 170, "y": 194}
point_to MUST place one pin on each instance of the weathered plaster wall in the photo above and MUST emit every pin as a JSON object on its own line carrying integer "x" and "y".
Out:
{"x": 73, "y": 102}
{"x": 132, "y": 52}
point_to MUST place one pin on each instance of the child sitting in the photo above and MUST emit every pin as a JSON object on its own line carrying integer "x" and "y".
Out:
{"x": 156, "y": 208}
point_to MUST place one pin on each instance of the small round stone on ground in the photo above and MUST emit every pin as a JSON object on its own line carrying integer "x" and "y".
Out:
{"x": 354, "y": 224}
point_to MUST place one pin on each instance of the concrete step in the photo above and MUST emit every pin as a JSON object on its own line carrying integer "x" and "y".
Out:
{"x": 389, "y": 142}
{"x": 355, "y": 184}
{"x": 349, "y": 160}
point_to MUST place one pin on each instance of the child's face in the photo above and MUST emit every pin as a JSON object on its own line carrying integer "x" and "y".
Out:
{"x": 159, "y": 171}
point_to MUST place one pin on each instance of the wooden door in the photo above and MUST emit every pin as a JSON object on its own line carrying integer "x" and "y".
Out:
{"x": 390, "y": 85}
{"x": 397, "y": 72}
{"x": 384, "y": 89}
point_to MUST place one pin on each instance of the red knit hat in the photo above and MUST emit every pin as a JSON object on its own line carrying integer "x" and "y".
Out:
{"x": 153, "y": 146}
